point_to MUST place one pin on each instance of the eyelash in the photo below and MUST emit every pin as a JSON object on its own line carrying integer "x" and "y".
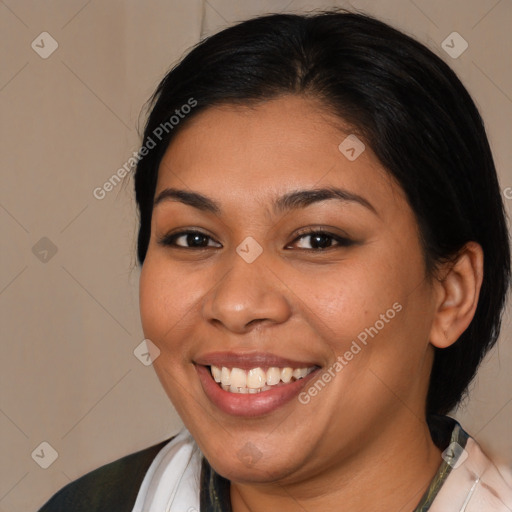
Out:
{"x": 170, "y": 240}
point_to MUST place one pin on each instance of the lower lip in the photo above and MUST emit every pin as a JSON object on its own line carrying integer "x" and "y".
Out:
{"x": 250, "y": 404}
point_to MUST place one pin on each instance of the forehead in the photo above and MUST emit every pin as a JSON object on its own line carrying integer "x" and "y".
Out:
{"x": 244, "y": 155}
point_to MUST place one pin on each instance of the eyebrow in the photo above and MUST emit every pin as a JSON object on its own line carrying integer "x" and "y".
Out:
{"x": 289, "y": 201}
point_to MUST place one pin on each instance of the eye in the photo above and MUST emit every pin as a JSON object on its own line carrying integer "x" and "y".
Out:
{"x": 187, "y": 240}
{"x": 320, "y": 240}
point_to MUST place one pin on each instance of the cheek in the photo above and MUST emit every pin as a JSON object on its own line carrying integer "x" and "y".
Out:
{"x": 170, "y": 300}
{"x": 369, "y": 312}
{"x": 346, "y": 300}
{"x": 151, "y": 300}
{"x": 162, "y": 300}
{"x": 166, "y": 310}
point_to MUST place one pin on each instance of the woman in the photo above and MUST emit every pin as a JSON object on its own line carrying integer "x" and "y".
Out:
{"x": 325, "y": 261}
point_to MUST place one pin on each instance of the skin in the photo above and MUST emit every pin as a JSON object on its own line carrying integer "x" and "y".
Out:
{"x": 350, "y": 444}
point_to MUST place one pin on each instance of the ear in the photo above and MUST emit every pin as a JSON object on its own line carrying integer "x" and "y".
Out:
{"x": 457, "y": 290}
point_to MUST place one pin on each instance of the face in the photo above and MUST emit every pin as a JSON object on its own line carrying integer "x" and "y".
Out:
{"x": 312, "y": 309}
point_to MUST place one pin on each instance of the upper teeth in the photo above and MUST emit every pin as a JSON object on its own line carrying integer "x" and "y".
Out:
{"x": 256, "y": 378}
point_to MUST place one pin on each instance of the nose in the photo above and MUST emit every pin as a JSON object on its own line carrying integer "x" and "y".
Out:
{"x": 247, "y": 295}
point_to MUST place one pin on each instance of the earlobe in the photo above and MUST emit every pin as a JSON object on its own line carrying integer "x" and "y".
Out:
{"x": 458, "y": 290}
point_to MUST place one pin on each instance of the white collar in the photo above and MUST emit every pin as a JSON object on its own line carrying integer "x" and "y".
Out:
{"x": 172, "y": 482}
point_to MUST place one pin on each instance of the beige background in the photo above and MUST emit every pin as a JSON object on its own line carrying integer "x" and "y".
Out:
{"x": 70, "y": 320}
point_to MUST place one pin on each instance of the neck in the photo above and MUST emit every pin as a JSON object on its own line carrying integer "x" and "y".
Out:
{"x": 390, "y": 474}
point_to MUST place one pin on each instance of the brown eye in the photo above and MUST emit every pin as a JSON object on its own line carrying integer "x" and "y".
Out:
{"x": 320, "y": 240}
{"x": 187, "y": 240}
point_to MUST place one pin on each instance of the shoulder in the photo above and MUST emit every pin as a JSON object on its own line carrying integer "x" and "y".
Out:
{"x": 112, "y": 487}
{"x": 472, "y": 480}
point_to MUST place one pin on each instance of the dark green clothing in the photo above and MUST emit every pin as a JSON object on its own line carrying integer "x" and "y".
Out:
{"x": 110, "y": 488}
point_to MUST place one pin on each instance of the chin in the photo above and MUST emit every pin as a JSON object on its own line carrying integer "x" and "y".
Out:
{"x": 247, "y": 472}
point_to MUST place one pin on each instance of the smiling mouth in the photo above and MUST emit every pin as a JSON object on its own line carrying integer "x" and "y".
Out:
{"x": 256, "y": 380}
